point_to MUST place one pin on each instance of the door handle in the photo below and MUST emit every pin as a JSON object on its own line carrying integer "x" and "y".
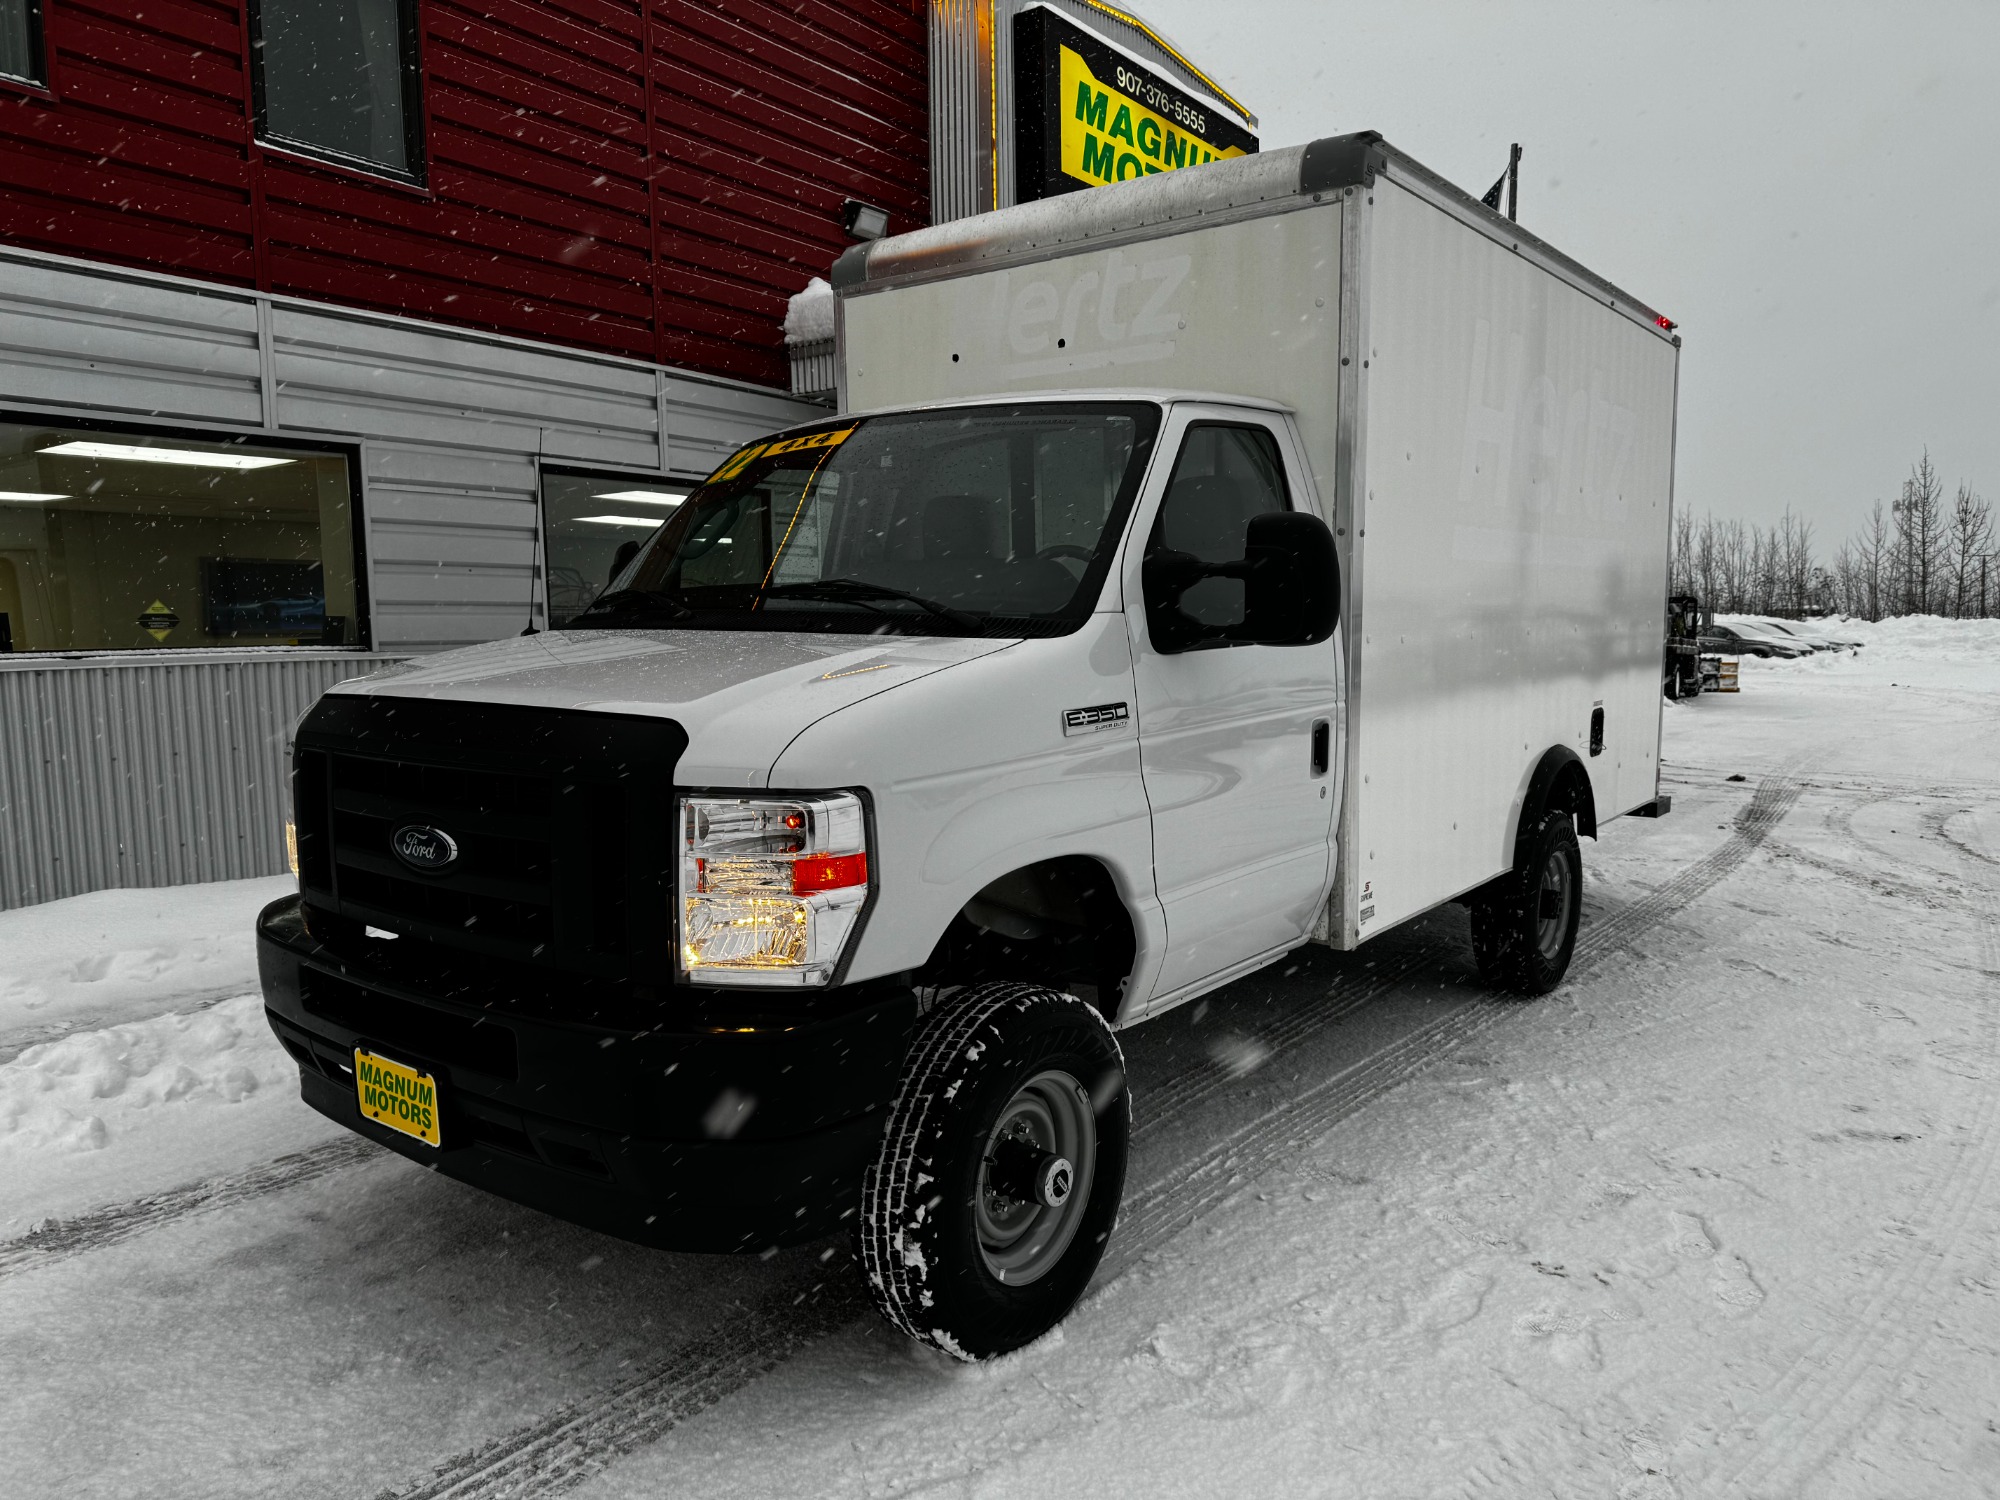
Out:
{"x": 1322, "y": 746}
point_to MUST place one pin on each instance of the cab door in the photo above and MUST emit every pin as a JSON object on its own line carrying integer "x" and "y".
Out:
{"x": 1235, "y": 741}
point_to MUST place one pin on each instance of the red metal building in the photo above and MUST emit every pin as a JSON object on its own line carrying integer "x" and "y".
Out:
{"x": 649, "y": 178}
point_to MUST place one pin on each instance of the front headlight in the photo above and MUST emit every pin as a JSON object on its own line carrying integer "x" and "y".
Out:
{"x": 770, "y": 887}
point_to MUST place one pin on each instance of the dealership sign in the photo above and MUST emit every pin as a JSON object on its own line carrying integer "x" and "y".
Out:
{"x": 1088, "y": 113}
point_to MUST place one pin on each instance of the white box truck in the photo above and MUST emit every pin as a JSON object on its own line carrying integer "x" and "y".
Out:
{"x": 1260, "y": 554}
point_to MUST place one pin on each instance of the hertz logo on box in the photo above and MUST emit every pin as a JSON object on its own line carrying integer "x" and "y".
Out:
{"x": 1087, "y": 114}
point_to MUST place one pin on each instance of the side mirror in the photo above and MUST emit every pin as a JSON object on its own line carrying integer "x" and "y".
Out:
{"x": 1290, "y": 576}
{"x": 1291, "y": 596}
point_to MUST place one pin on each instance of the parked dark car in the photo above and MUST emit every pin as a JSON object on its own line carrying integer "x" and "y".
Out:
{"x": 1729, "y": 641}
{"x": 1805, "y": 634}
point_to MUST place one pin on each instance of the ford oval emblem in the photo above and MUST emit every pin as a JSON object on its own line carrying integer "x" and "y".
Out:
{"x": 422, "y": 847}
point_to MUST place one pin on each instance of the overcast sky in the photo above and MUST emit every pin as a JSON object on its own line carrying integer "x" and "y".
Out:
{"x": 1812, "y": 190}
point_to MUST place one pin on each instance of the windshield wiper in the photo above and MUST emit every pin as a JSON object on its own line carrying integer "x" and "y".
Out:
{"x": 624, "y": 601}
{"x": 854, "y": 591}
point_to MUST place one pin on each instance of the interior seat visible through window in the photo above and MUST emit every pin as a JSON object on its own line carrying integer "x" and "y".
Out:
{"x": 1225, "y": 476}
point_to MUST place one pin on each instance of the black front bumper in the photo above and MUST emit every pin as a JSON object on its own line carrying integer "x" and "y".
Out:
{"x": 689, "y": 1120}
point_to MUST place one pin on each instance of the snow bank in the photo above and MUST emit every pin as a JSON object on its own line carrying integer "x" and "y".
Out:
{"x": 117, "y": 956}
{"x": 85, "y": 1091}
{"x": 809, "y": 315}
{"x": 1927, "y": 638}
{"x": 133, "y": 1049}
{"x": 1908, "y": 638}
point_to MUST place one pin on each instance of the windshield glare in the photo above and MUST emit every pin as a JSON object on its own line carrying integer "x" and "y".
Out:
{"x": 988, "y": 520}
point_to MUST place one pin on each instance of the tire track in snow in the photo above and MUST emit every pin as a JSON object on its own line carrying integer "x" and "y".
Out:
{"x": 1768, "y": 805}
{"x": 1844, "y": 1376}
{"x": 1773, "y": 799}
{"x": 1346, "y": 994}
{"x": 581, "y": 1438}
{"x": 59, "y": 1239}
{"x": 1174, "y": 1200}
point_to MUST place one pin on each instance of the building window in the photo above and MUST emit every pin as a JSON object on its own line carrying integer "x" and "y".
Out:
{"x": 339, "y": 79}
{"x": 21, "y": 41}
{"x": 586, "y": 519}
{"x": 121, "y": 541}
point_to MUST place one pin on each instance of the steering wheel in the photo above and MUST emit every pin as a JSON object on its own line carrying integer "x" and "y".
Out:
{"x": 1063, "y": 549}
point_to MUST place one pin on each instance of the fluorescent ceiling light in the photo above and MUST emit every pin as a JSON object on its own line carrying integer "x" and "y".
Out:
{"x": 26, "y": 496}
{"x": 642, "y": 497}
{"x": 649, "y": 522}
{"x": 187, "y": 457}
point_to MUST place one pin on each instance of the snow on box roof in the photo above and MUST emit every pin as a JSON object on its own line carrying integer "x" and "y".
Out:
{"x": 1232, "y": 188}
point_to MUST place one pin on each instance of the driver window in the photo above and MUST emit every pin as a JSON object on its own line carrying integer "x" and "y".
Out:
{"x": 1225, "y": 476}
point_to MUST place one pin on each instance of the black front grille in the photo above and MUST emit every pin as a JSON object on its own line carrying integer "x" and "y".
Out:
{"x": 433, "y": 1035}
{"x": 562, "y": 823}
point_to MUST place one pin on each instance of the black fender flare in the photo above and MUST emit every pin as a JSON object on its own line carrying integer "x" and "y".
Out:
{"x": 1560, "y": 782}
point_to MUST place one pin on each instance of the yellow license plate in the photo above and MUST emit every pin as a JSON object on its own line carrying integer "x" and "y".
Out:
{"x": 398, "y": 1096}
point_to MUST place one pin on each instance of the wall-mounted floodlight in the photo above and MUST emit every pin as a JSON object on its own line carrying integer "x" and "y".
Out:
{"x": 189, "y": 457}
{"x": 864, "y": 221}
{"x": 27, "y": 497}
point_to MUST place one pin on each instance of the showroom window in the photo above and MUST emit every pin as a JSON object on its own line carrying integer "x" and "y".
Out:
{"x": 123, "y": 541}
{"x": 340, "y": 79}
{"x": 586, "y": 517}
{"x": 21, "y": 41}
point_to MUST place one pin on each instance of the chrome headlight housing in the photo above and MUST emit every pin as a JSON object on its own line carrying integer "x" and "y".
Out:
{"x": 771, "y": 888}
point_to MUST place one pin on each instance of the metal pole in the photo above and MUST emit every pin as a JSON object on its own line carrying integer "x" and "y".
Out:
{"x": 1514, "y": 182}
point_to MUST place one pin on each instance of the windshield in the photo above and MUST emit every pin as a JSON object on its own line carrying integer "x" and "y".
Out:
{"x": 993, "y": 520}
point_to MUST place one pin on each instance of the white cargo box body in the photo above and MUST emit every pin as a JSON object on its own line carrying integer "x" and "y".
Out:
{"x": 1490, "y": 428}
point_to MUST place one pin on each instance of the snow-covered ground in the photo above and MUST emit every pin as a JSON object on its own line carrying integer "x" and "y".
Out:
{"x": 1719, "y": 1217}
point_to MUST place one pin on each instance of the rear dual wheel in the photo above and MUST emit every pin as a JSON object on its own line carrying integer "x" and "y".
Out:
{"x": 999, "y": 1173}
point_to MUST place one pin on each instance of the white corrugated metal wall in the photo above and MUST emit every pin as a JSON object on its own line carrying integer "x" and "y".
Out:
{"x": 132, "y": 772}
{"x": 451, "y": 428}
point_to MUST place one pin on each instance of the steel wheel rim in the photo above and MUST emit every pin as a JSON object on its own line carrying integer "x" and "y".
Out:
{"x": 1557, "y": 887}
{"x": 1021, "y": 1242}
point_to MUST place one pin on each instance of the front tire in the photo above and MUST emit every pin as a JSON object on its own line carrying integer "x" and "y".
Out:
{"x": 1524, "y": 927}
{"x": 1000, "y": 1170}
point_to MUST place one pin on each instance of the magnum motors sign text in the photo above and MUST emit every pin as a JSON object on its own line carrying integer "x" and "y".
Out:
{"x": 1087, "y": 114}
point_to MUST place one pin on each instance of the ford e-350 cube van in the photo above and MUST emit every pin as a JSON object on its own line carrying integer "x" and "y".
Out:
{"x": 801, "y": 884}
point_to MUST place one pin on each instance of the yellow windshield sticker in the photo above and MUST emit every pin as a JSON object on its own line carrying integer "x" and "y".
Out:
{"x": 735, "y": 464}
{"x": 811, "y": 440}
{"x": 1109, "y": 136}
{"x": 744, "y": 457}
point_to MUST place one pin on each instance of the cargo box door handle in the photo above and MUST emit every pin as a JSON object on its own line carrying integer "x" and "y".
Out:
{"x": 1322, "y": 746}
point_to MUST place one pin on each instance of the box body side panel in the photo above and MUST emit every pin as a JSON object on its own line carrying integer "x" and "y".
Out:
{"x": 1513, "y": 534}
{"x": 1250, "y": 308}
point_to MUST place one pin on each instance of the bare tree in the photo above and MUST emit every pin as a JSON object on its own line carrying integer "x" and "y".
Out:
{"x": 1874, "y": 551}
{"x": 1708, "y": 562}
{"x": 1791, "y": 566}
{"x": 1733, "y": 544}
{"x": 1919, "y": 537}
{"x": 1682, "y": 573}
{"x": 1968, "y": 538}
{"x": 1911, "y": 556}
{"x": 1849, "y": 591}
